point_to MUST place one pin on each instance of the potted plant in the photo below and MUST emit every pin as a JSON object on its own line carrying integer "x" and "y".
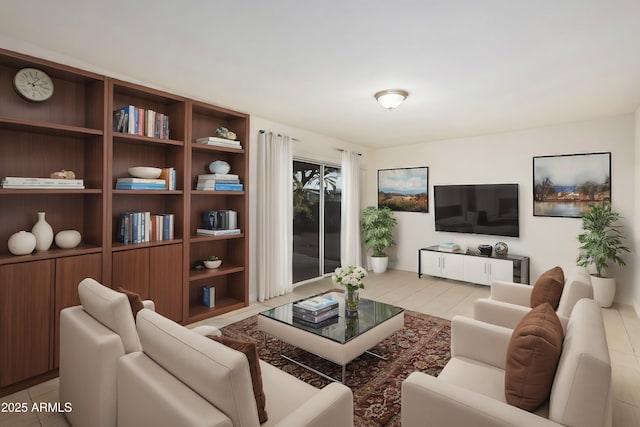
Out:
{"x": 377, "y": 227}
{"x": 600, "y": 244}
{"x": 212, "y": 261}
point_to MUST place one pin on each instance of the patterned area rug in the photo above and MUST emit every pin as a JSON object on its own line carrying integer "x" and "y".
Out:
{"x": 423, "y": 345}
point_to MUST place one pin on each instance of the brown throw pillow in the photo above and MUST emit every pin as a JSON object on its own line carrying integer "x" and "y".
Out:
{"x": 532, "y": 358}
{"x": 251, "y": 352}
{"x": 548, "y": 288}
{"x": 134, "y": 300}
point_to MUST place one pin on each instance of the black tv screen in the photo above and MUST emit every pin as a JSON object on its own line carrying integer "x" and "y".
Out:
{"x": 479, "y": 209}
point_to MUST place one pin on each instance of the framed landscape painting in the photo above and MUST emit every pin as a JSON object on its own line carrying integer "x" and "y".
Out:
{"x": 565, "y": 186}
{"x": 404, "y": 189}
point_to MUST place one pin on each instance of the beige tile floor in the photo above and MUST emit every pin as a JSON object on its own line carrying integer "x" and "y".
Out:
{"x": 437, "y": 297}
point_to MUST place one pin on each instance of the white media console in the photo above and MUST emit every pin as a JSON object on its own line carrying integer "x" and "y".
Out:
{"x": 471, "y": 267}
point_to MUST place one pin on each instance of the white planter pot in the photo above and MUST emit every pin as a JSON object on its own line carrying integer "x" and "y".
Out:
{"x": 604, "y": 290}
{"x": 379, "y": 264}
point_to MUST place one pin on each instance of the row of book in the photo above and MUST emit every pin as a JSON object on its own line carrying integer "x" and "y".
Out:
{"x": 318, "y": 311}
{"x": 139, "y": 121}
{"x": 220, "y": 142}
{"x": 139, "y": 227}
{"x": 219, "y": 182}
{"x": 40, "y": 183}
{"x": 167, "y": 181}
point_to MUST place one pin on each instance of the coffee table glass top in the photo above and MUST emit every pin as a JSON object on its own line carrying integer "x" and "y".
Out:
{"x": 340, "y": 329}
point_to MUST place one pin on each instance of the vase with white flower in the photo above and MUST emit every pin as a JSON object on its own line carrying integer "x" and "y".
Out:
{"x": 351, "y": 278}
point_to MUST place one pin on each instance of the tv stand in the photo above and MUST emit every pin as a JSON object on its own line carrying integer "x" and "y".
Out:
{"x": 472, "y": 267}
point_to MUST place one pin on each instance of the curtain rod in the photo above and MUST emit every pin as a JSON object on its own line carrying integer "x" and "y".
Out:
{"x": 342, "y": 149}
{"x": 279, "y": 134}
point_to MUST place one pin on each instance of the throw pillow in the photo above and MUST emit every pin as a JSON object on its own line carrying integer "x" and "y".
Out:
{"x": 548, "y": 288}
{"x": 251, "y": 352}
{"x": 532, "y": 358}
{"x": 134, "y": 300}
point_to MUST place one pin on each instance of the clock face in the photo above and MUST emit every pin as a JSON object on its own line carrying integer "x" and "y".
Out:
{"x": 33, "y": 84}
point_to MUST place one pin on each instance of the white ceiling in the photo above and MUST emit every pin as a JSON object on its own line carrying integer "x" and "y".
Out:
{"x": 471, "y": 67}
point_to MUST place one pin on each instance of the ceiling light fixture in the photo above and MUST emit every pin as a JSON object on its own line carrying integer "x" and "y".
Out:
{"x": 391, "y": 98}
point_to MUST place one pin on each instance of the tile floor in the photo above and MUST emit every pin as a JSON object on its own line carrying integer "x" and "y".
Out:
{"x": 437, "y": 297}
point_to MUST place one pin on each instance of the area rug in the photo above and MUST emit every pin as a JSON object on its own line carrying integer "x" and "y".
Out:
{"x": 423, "y": 345}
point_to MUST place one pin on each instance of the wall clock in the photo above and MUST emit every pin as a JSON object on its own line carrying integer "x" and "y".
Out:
{"x": 33, "y": 84}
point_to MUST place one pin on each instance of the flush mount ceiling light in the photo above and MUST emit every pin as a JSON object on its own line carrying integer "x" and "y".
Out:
{"x": 391, "y": 98}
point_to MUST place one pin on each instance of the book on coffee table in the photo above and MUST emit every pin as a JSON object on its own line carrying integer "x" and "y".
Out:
{"x": 317, "y": 318}
{"x": 315, "y": 306}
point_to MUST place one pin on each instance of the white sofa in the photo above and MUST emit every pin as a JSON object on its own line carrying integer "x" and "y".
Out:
{"x": 93, "y": 336}
{"x": 184, "y": 379}
{"x": 470, "y": 390}
{"x": 510, "y": 302}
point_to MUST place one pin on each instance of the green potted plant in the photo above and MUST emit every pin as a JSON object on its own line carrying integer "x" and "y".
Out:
{"x": 377, "y": 228}
{"x": 601, "y": 244}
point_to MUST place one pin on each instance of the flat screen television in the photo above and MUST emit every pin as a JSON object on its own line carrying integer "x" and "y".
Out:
{"x": 479, "y": 209}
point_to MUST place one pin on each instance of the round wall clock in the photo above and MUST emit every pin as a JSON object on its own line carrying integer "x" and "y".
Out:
{"x": 33, "y": 84}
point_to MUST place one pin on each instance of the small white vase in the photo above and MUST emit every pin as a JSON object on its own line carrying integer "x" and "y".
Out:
{"x": 21, "y": 243}
{"x": 43, "y": 232}
{"x": 68, "y": 239}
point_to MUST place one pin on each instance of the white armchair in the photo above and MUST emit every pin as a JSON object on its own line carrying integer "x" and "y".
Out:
{"x": 510, "y": 302}
{"x": 470, "y": 391}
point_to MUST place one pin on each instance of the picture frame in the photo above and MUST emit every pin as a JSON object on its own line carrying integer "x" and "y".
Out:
{"x": 565, "y": 185}
{"x": 404, "y": 189}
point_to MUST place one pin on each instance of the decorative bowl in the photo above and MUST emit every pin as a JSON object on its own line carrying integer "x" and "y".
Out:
{"x": 145, "y": 172}
{"x": 68, "y": 239}
{"x": 213, "y": 264}
{"x": 219, "y": 166}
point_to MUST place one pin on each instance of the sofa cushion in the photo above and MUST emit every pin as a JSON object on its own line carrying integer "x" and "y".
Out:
{"x": 249, "y": 349}
{"x": 532, "y": 358}
{"x": 134, "y": 300}
{"x": 548, "y": 288}
{"x": 112, "y": 309}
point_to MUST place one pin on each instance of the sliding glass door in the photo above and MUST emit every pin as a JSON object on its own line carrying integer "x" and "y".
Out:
{"x": 316, "y": 219}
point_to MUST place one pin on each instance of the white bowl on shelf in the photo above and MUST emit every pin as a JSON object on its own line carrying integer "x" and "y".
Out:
{"x": 145, "y": 172}
{"x": 213, "y": 264}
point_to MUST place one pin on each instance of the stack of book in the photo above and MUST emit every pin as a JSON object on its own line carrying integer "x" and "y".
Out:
{"x": 317, "y": 311}
{"x": 138, "y": 121}
{"x": 219, "y": 182}
{"x": 449, "y": 247}
{"x": 139, "y": 227}
{"x": 219, "y": 142}
{"x": 217, "y": 232}
{"x": 167, "y": 181}
{"x": 40, "y": 183}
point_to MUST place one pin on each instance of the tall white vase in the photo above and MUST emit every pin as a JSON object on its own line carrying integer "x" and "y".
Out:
{"x": 43, "y": 232}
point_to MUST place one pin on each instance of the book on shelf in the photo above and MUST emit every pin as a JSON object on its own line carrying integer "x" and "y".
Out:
{"x": 220, "y": 142}
{"x": 219, "y": 176}
{"x": 217, "y": 232}
{"x": 315, "y": 306}
{"x": 40, "y": 183}
{"x": 169, "y": 175}
{"x": 301, "y": 323}
{"x": 140, "y": 121}
{"x": 318, "y": 318}
{"x": 135, "y": 186}
{"x": 228, "y": 187}
{"x": 209, "y": 296}
{"x": 130, "y": 180}
{"x": 139, "y": 227}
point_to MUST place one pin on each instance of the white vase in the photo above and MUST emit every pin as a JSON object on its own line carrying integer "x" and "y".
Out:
{"x": 604, "y": 290}
{"x": 21, "y": 243}
{"x": 68, "y": 239}
{"x": 43, "y": 232}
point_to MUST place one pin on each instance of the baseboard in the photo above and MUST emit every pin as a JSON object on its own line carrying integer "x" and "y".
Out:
{"x": 636, "y": 306}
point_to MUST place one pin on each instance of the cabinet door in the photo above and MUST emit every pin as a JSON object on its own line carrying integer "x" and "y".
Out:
{"x": 25, "y": 312}
{"x": 430, "y": 263}
{"x": 476, "y": 270}
{"x": 131, "y": 271}
{"x": 452, "y": 266}
{"x": 165, "y": 284}
{"x": 69, "y": 272}
{"x": 501, "y": 269}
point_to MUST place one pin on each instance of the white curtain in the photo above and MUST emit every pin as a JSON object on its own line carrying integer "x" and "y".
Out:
{"x": 275, "y": 215}
{"x": 350, "y": 252}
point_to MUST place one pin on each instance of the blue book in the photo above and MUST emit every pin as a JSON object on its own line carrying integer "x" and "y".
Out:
{"x": 138, "y": 186}
{"x": 228, "y": 187}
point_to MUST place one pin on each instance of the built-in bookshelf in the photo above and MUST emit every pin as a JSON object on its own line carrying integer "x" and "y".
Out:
{"x": 76, "y": 130}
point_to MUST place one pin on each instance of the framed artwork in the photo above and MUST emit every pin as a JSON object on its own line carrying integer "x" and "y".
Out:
{"x": 404, "y": 189}
{"x": 565, "y": 185}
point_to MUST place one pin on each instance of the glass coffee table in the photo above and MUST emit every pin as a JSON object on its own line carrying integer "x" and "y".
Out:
{"x": 340, "y": 340}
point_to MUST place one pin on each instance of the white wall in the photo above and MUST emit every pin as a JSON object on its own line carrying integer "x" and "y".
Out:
{"x": 508, "y": 158}
{"x": 309, "y": 145}
{"x": 636, "y": 217}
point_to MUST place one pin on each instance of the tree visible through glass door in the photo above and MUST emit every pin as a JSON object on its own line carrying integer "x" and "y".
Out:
{"x": 316, "y": 219}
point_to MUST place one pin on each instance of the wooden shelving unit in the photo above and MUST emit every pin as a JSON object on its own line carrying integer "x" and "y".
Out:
{"x": 73, "y": 130}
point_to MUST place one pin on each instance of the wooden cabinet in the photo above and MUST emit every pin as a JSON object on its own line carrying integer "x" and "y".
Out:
{"x": 472, "y": 268}
{"x": 74, "y": 130}
{"x": 25, "y": 315}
